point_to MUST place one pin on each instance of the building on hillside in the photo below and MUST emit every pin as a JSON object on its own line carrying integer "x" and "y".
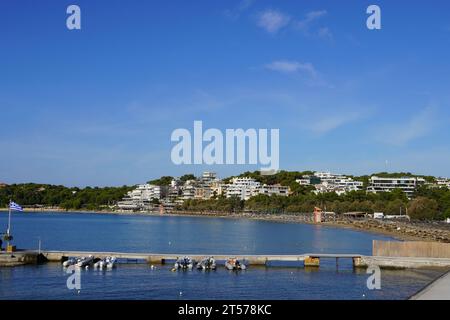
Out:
{"x": 338, "y": 183}
{"x": 146, "y": 192}
{"x": 243, "y": 188}
{"x": 142, "y": 197}
{"x": 188, "y": 190}
{"x": 208, "y": 177}
{"x": 304, "y": 181}
{"x": 203, "y": 193}
{"x": 2, "y": 185}
{"x": 218, "y": 188}
{"x": 276, "y": 189}
{"x": 443, "y": 183}
{"x": 407, "y": 184}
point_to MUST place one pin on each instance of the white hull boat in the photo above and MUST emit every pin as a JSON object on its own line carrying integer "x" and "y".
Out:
{"x": 207, "y": 264}
{"x": 184, "y": 263}
{"x": 85, "y": 261}
{"x": 234, "y": 264}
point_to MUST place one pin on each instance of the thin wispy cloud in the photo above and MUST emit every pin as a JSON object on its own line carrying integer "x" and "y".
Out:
{"x": 273, "y": 21}
{"x": 308, "y": 23}
{"x": 325, "y": 33}
{"x": 309, "y": 19}
{"x": 285, "y": 66}
{"x": 328, "y": 123}
{"x": 237, "y": 11}
{"x": 418, "y": 126}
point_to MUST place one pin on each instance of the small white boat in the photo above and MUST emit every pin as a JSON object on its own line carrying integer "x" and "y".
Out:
{"x": 207, "y": 264}
{"x": 110, "y": 262}
{"x": 234, "y": 264}
{"x": 85, "y": 261}
{"x": 184, "y": 263}
{"x": 100, "y": 264}
{"x": 69, "y": 262}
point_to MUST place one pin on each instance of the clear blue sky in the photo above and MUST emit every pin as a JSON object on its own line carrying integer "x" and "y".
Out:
{"x": 97, "y": 106}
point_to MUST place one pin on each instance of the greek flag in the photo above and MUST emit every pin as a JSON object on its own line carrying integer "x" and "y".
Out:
{"x": 14, "y": 206}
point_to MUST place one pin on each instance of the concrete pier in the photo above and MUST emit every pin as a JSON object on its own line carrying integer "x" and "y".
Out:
{"x": 307, "y": 259}
{"x": 437, "y": 290}
{"x": 18, "y": 258}
{"x": 157, "y": 258}
{"x": 401, "y": 262}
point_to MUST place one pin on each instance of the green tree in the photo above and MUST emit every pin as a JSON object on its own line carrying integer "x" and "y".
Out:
{"x": 423, "y": 208}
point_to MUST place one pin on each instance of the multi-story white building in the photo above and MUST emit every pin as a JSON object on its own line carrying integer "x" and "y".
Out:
{"x": 330, "y": 182}
{"x": 407, "y": 184}
{"x": 218, "y": 188}
{"x": 208, "y": 177}
{"x": 203, "y": 193}
{"x": 276, "y": 189}
{"x": 443, "y": 182}
{"x": 145, "y": 192}
{"x": 305, "y": 181}
{"x": 348, "y": 184}
{"x": 188, "y": 190}
{"x": 243, "y": 188}
{"x": 141, "y": 197}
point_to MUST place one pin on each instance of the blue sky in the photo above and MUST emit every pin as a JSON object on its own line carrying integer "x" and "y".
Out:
{"x": 97, "y": 106}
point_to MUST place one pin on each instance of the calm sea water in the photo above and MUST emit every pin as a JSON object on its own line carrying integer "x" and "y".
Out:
{"x": 94, "y": 232}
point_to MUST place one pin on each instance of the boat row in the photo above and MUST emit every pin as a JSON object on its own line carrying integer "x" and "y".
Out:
{"x": 208, "y": 263}
{"x": 91, "y": 261}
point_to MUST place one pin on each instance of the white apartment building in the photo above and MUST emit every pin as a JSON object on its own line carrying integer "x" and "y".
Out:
{"x": 141, "y": 197}
{"x": 208, "y": 177}
{"x": 443, "y": 182}
{"x": 188, "y": 190}
{"x": 145, "y": 192}
{"x": 330, "y": 182}
{"x": 304, "y": 181}
{"x": 203, "y": 193}
{"x": 407, "y": 184}
{"x": 276, "y": 189}
{"x": 243, "y": 188}
{"x": 218, "y": 188}
{"x": 348, "y": 184}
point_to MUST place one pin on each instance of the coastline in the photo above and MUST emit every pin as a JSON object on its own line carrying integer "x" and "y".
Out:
{"x": 398, "y": 230}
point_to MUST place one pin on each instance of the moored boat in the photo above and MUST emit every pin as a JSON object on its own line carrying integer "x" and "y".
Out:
{"x": 69, "y": 262}
{"x": 100, "y": 264}
{"x": 184, "y": 263}
{"x": 208, "y": 263}
{"x": 110, "y": 262}
{"x": 85, "y": 261}
{"x": 234, "y": 264}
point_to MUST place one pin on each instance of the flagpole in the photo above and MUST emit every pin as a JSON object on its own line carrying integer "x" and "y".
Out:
{"x": 9, "y": 219}
{"x": 9, "y": 224}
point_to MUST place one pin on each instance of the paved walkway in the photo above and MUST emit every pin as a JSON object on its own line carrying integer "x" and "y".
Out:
{"x": 437, "y": 290}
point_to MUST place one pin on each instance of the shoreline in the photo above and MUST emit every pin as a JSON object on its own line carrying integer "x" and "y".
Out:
{"x": 399, "y": 230}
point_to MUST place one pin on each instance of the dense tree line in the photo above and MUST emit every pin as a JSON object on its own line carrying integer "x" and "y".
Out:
{"x": 435, "y": 204}
{"x": 428, "y": 203}
{"x": 163, "y": 181}
{"x": 88, "y": 198}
